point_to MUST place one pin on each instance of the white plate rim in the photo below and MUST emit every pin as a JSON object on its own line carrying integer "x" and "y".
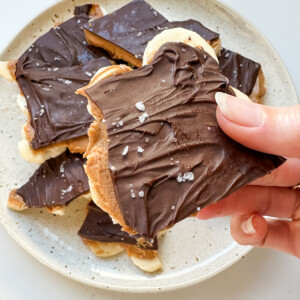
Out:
{"x": 149, "y": 289}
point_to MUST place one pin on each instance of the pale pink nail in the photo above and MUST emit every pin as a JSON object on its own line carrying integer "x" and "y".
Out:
{"x": 247, "y": 226}
{"x": 239, "y": 111}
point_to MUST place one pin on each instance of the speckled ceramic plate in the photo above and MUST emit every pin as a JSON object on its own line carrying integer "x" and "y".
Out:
{"x": 193, "y": 250}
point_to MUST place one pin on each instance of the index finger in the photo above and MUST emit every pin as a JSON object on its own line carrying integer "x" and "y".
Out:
{"x": 268, "y": 201}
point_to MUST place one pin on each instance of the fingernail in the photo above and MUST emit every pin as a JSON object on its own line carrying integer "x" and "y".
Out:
{"x": 247, "y": 226}
{"x": 239, "y": 111}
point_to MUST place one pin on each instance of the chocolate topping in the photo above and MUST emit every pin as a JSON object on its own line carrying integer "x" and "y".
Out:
{"x": 49, "y": 73}
{"x": 132, "y": 26}
{"x": 242, "y": 72}
{"x": 99, "y": 227}
{"x": 197, "y": 27}
{"x": 171, "y": 159}
{"x": 83, "y": 9}
{"x": 56, "y": 182}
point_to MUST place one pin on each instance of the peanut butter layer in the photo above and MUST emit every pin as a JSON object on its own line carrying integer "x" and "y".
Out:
{"x": 167, "y": 155}
{"x": 125, "y": 32}
{"x": 50, "y": 71}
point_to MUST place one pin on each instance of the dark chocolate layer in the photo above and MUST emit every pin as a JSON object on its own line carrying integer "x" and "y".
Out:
{"x": 197, "y": 27}
{"x": 99, "y": 227}
{"x": 178, "y": 160}
{"x": 241, "y": 71}
{"x": 56, "y": 182}
{"x": 49, "y": 73}
{"x": 132, "y": 26}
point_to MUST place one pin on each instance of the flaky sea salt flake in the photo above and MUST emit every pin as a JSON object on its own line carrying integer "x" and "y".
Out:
{"x": 140, "y": 106}
{"x": 140, "y": 149}
{"x": 125, "y": 151}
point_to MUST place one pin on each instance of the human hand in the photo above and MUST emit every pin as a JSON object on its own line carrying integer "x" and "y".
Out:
{"x": 271, "y": 130}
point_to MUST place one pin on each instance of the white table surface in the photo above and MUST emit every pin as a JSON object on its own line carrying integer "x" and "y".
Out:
{"x": 262, "y": 274}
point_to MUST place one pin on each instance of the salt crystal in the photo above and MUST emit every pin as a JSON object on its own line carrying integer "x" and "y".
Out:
{"x": 120, "y": 123}
{"x": 241, "y": 65}
{"x": 198, "y": 208}
{"x": 68, "y": 82}
{"x": 125, "y": 151}
{"x": 41, "y": 112}
{"x": 147, "y": 140}
{"x": 188, "y": 176}
{"x": 143, "y": 117}
{"x": 227, "y": 54}
{"x": 132, "y": 194}
{"x": 139, "y": 34}
{"x": 179, "y": 177}
{"x": 140, "y": 106}
{"x": 103, "y": 120}
{"x": 55, "y": 69}
{"x": 173, "y": 207}
{"x": 141, "y": 193}
{"x": 69, "y": 189}
{"x": 88, "y": 74}
{"x": 140, "y": 149}
{"x": 78, "y": 21}
{"x": 155, "y": 13}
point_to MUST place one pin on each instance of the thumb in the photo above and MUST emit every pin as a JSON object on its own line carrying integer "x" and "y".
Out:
{"x": 267, "y": 129}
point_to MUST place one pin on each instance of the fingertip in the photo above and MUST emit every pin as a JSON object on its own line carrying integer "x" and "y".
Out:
{"x": 249, "y": 229}
{"x": 211, "y": 211}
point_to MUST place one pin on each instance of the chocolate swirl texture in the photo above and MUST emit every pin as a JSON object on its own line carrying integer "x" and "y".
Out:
{"x": 56, "y": 182}
{"x": 99, "y": 227}
{"x": 241, "y": 71}
{"x": 48, "y": 74}
{"x": 171, "y": 159}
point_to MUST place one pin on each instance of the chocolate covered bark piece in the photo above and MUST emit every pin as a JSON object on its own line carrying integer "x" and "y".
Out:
{"x": 243, "y": 73}
{"x": 98, "y": 226}
{"x": 125, "y": 32}
{"x": 55, "y": 183}
{"x": 106, "y": 239}
{"x": 167, "y": 155}
{"x": 48, "y": 74}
